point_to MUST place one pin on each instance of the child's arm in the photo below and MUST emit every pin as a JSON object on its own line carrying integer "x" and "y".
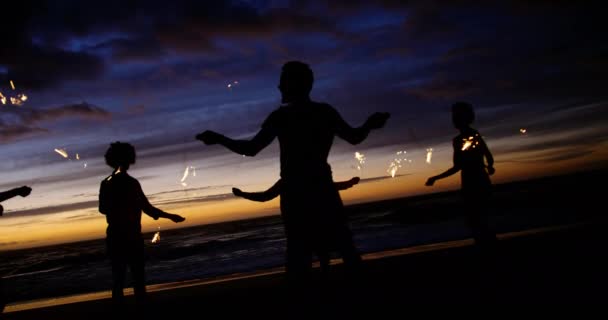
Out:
{"x": 454, "y": 169}
{"x": 155, "y": 212}
{"x": 21, "y": 191}
{"x": 489, "y": 157}
{"x": 264, "y": 196}
{"x": 343, "y": 185}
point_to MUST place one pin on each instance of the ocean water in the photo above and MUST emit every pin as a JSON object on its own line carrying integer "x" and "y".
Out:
{"x": 243, "y": 246}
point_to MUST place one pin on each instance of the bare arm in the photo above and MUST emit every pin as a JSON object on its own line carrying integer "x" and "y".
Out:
{"x": 343, "y": 185}
{"x": 21, "y": 191}
{"x": 357, "y": 135}
{"x": 245, "y": 147}
{"x": 454, "y": 169}
{"x": 489, "y": 157}
{"x": 153, "y": 211}
{"x": 103, "y": 200}
{"x": 264, "y": 196}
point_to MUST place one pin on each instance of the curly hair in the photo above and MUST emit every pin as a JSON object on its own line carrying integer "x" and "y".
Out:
{"x": 120, "y": 154}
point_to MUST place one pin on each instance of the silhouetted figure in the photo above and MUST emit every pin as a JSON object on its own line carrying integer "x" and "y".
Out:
{"x": 469, "y": 153}
{"x": 122, "y": 200}
{"x": 310, "y": 204}
{"x": 274, "y": 191}
{"x": 23, "y": 192}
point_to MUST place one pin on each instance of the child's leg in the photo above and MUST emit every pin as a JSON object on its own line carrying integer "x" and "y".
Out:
{"x": 2, "y": 296}
{"x": 119, "y": 270}
{"x": 324, "y": 260}
{"x": 137, "y": 266}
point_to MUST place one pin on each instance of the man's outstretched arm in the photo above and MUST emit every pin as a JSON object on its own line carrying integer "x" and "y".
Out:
{"x": 245, "y": 147}
{"x": 357, "y": 135}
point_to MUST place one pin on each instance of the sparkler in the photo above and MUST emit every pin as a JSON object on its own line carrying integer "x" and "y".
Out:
{"x": 62, "y": 152}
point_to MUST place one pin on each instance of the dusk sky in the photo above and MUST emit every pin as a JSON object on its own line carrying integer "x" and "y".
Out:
{"x": 157, "y": 73}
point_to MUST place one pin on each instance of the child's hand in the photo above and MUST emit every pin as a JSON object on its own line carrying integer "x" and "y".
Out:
{"x": 237, "y": 192}
{"x": 176, "y": 218}
{"x": 430, "y": 181}
{"x": 491, "y": 170}
{"x": 24, "y": 191}
{"x": 209, "y": 137}
{"x": 350, "y": 183}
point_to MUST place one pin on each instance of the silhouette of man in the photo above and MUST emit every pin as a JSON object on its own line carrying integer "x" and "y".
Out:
{"x": 274, "y": 191}
{"x": 311, "y": 207}
{"x": 469, "y": 153}
{"x": 21, "y": 191}
{"x": 122, "y": 200}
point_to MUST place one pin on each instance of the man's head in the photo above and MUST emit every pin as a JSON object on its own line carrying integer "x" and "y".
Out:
{"x": 462, "y": 114}
{"x": 296, "y": 81}
{"x": 120, "y": 154}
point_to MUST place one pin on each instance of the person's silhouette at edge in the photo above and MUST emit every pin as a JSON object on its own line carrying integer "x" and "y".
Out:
{"x": 468, "y": 158}
{"x": 122, "y": 201}
{"x": 23, "y": 192}
{"x": 310, "y": 204}
{"x": 323, "y": 253}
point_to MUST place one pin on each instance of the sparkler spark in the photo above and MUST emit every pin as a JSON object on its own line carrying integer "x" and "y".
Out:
{"x": 394, "y": 166}
{"x": 16, "y": 101}
{"x": 470, "y": 142}
{"x": 429, "y": 154}
{"x": 77, "y": 157}
{"x": 62, "y": 152}
{"x": 523, "y": 130}
{"x": 190, "y": 170}
{"x": 360, "y": 159}
{"x": 232, "y": 84}
{"x": 186, "y": 172}
{"x": 12, "y": 84}
{"x": 2, "y": 98}
{"x": 156, "y": 237}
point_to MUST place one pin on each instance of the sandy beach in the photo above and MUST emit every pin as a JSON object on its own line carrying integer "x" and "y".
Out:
{"x": 549, "y": 266}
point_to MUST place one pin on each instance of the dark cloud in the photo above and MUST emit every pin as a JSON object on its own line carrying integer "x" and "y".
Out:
{"x": 442, "y": 88}
{"x": 18, "y": 131}
{"x": 22, "y": 122}
{"x": 82, "y": 110}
